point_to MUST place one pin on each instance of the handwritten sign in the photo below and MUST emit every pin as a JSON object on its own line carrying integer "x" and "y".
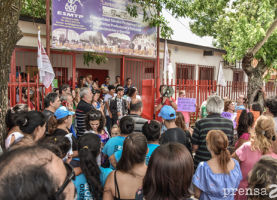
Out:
{"x": 256, "y": 115}
{"x": 186, "y": 104}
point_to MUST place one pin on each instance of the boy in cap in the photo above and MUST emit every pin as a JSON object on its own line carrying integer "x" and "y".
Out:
{"x": 173, "y": 133}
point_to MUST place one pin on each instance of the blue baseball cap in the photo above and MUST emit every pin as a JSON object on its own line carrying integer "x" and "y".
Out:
{"x": 167, "y": 112}
{"x": 62, "y": 112}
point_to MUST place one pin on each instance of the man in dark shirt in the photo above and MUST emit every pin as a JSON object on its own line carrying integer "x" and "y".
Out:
{"x": 136, "y": 108}
{"x": 173, "y": 133}
{"x": 51, "y": 103}
{"x": 213, "y": 121}
{"x": 84, "y": 106}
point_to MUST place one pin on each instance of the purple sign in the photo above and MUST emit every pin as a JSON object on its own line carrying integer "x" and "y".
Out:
{"x": 186, "y": 104}
{"x": 101, "y": 26}
{"x": 231, "y": 116}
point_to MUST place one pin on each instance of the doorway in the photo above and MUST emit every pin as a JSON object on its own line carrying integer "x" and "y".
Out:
{"x": 96, "y": 73}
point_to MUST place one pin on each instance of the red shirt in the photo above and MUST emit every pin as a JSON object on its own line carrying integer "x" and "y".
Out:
{"x": 31, "y": 106}
{"x": 158, "y": 101}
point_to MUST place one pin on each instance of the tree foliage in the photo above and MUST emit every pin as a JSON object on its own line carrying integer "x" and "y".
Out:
{"x": 236, "y": 26}
{"x": 34, "y": 8}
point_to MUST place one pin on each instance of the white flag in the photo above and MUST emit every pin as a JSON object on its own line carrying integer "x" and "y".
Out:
{"x": 167, "y": 63}
{"x": 221, "y": 79}
{"x": 46, "y": 72}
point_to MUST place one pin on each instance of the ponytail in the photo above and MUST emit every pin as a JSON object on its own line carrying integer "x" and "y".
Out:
{"x": 53, "y": 123}
{"x": 224, "y": 158}
{"x": 88, "y": 149}
{"x": 218, "y": 143}
{"x": 134, "y": 152}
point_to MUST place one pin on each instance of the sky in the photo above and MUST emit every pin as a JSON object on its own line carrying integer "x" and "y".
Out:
{"x": 182, "y": 31}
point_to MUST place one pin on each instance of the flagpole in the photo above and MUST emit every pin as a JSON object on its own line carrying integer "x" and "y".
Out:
{"x": 164, "y": 74}
{"x": 49, "y": 89}
{"x": 218, "y": 71}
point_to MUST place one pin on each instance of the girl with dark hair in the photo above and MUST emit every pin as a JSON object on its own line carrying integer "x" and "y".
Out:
{"x": 132, "y": 94}
{"x": 95, "y": 123}
{"x": 169, "y": 174}
{"x": 96, "y": 102}
{"x": 126, "y": 125}
{"x": 32, "y": 125}
{"x": 180, "y": 122}
{"x": 123, "y": 183}
{"x": 90, "y": 183}
{"x": 219, "y": 174}
{"x": 64, "y": 144}
{"x": 245, "y": 128}
{"x": 14, "y": 132}
{"x": 60, "y": 123}
{"x": 82, "y": 82}
{"x": 257, "y": 107}
{"x": 152, "y": 131}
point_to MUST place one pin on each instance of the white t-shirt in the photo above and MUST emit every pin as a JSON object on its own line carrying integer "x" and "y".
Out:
{"x": 129, "y": 98}
{"x": 108, "y": 97}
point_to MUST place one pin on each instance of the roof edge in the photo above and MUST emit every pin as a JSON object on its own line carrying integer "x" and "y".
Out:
{"x": 193, "y": 46}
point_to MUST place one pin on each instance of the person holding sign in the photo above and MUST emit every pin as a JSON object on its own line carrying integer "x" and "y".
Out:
{"x": 245, "y": 128}
{"x": 189, "y": 105}
{"x": 229, "y": 106}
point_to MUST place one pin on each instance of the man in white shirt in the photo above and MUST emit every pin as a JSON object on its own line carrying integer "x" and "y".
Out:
{"x": 107, "y": 99}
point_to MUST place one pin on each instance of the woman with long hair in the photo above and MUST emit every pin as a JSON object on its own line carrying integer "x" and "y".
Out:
{"x": 261, "y": 142}
{"x": 82, "y": 82}
{"x": 169, "y": 174}
{"x": 219, "y": 173}
{"x": 257, "y": 107}
{"x": 180, "y": 122}
{"x": 245, "y": 128}
{"x": 131, "y": 168}
{"x": 95, "y": 100}
{"x": 95, "y": 123}
{"x": 32, "y": 125}
{"x": 132, "y": 94}
{"x": 90, "y": 183}
{"x": 14, "y": 132}
{"x": 60, "y": 123}
{"x": 77, "y": 97}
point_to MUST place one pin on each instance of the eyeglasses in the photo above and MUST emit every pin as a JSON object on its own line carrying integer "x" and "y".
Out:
{"x": 94, "y": 115}
{"x": 70, "y": 176}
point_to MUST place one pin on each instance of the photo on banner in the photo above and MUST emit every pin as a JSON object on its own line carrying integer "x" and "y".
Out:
{"x": 101, "y": 26}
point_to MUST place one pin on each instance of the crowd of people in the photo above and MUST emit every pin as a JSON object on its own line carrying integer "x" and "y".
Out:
{"x": 92, "y": 143}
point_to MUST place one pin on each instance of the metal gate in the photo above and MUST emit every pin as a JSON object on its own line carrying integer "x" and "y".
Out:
{"x": 139, "y": 70}
{"x": 148, "y": 96}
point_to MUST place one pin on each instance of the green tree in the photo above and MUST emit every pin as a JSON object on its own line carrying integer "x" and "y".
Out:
{"x": 246, "y": 29}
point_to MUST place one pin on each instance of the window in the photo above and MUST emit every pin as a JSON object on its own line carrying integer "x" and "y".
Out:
{"x": 184, "y": 72}
{"x": 238, "y": 75}
{"x": 206, "y": 73}
{"x": 149, "y": 70}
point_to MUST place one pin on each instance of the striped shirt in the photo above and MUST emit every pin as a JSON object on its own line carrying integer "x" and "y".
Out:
{"x": 82, "y": 109}
{"x": 201, "y": 129}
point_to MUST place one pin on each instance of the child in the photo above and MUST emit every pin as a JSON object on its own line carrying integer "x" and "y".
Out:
{"x": 90, "y": 183}
{"x": 221, "y": 173}
{"x": 115, "y": 130}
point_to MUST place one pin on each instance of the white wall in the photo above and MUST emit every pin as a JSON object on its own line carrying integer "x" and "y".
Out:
{"x": 193, "y": 56}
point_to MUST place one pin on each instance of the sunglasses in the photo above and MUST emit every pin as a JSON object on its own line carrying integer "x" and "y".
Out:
{"x": 94, "y": 115}
{"x": 70, "y": 176}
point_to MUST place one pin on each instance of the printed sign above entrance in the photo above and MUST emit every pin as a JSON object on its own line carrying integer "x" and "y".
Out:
{"x": 101, "y": 26}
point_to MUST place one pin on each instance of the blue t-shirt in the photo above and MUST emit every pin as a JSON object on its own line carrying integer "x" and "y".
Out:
{"x": 217, "y": 186}
{"x": 126, "y": 88}
{"x": 83, "y": 187}
{"x": 151, "y": 147}
{"x": 113, "y": 145}
{"x": 241, "y": 107}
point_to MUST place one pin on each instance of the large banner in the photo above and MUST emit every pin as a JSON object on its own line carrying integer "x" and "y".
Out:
{"x": 101, "y": 26}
